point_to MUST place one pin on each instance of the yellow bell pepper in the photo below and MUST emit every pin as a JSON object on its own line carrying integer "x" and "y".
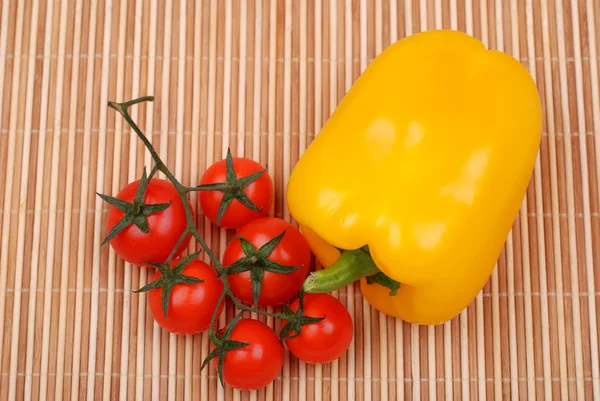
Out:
{"x": 416, "y": 178}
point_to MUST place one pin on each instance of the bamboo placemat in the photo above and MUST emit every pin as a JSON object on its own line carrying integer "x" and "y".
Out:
{"x": 262, "y": 76}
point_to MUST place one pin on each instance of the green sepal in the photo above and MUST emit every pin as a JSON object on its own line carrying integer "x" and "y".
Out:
{"x": 296, "y": 320}
{"x": 122, "y": 205}
{"x": 223, "y": 345}
{"x": 117, "y": 228}
{"x": 256, "y": 275}
{"x": 141, "y": 189}
{"x": 178, "y": 268}
{"x": 257, "y": 262}
{"x": 136, "y": 212}
{"x": 225, "y": 202}
{"x": 147, "y": 210}
{"x": 159, "y": 282}
{"x": 232, "y": 188}
{"x": 270, "y": 245}
{"x": 249, "y": 179}
{"x": 169, "y": 278}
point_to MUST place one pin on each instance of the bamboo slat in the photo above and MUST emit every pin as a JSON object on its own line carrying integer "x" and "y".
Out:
{"x": 261, "y": 77}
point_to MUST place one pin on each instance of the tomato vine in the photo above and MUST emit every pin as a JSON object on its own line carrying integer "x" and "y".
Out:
{"x": 137, "y": 213}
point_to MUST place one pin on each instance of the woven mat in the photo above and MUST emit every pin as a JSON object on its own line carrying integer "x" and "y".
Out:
{"x": 261, "y": 77}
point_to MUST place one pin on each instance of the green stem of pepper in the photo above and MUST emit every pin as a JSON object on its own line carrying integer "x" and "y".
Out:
{"x": 352, "y": 265}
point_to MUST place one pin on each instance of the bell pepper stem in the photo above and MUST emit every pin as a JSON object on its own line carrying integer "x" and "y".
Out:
{"x": 352, "y": 265}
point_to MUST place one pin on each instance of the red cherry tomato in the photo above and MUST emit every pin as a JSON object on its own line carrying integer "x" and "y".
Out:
{"x": 191, "y": 306}
{"x": 292, "y": 250}
{"x": 326, "y": 340}
{"x": 259, "y": 192}
{"x": 257, "y": 364}
{"x": 166, "y": 227}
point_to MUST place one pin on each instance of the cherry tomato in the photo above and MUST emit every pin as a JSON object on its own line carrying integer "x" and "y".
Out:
{"x": 256, "y": 365}
{"x": 292, "y": 251}
{"x": 191, "y": 306}
{"x": 258, "y": 192}
{"x": 326, "y": 340}
{"x": 166, "y": 227}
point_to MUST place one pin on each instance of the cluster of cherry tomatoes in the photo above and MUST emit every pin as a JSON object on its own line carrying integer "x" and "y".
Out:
{"x": 268, "y": 260}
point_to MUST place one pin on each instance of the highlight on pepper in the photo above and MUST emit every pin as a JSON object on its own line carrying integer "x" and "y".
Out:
{"x": 414, "y": 182}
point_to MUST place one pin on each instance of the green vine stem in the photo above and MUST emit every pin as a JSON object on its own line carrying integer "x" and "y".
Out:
{"x": 294, "y": 319}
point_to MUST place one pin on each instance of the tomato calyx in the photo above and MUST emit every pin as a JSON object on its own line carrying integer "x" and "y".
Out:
{"x": 295, "y": 320}
{"x": 136, "y": 212}
{"x": 232, "y": 188}
{"x": 257, "y": 263}
{"x": 170, "y": 278}
{"x": 223, "y": 345}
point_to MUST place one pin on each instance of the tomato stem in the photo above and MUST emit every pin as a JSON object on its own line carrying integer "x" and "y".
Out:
{"x": 211, "y": 333}
{"x": 185, "y": 233}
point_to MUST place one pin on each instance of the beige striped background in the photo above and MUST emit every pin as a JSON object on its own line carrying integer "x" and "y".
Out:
{"x": 262, "y": 76}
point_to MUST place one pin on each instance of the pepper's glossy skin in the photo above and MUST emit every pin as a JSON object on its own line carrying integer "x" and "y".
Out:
{"x": 426, "y": 160}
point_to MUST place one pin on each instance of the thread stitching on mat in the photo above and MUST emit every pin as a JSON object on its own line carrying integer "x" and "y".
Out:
{"x": 57, "y": 211}
{"x": 91, "y": 211}
{"x": 342, "y": 379}
{"x": 249, "y": 134}
{"x": 159, "y": 132}
{"x": 340, "y": 295}
{"x": 265, "y": 59}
